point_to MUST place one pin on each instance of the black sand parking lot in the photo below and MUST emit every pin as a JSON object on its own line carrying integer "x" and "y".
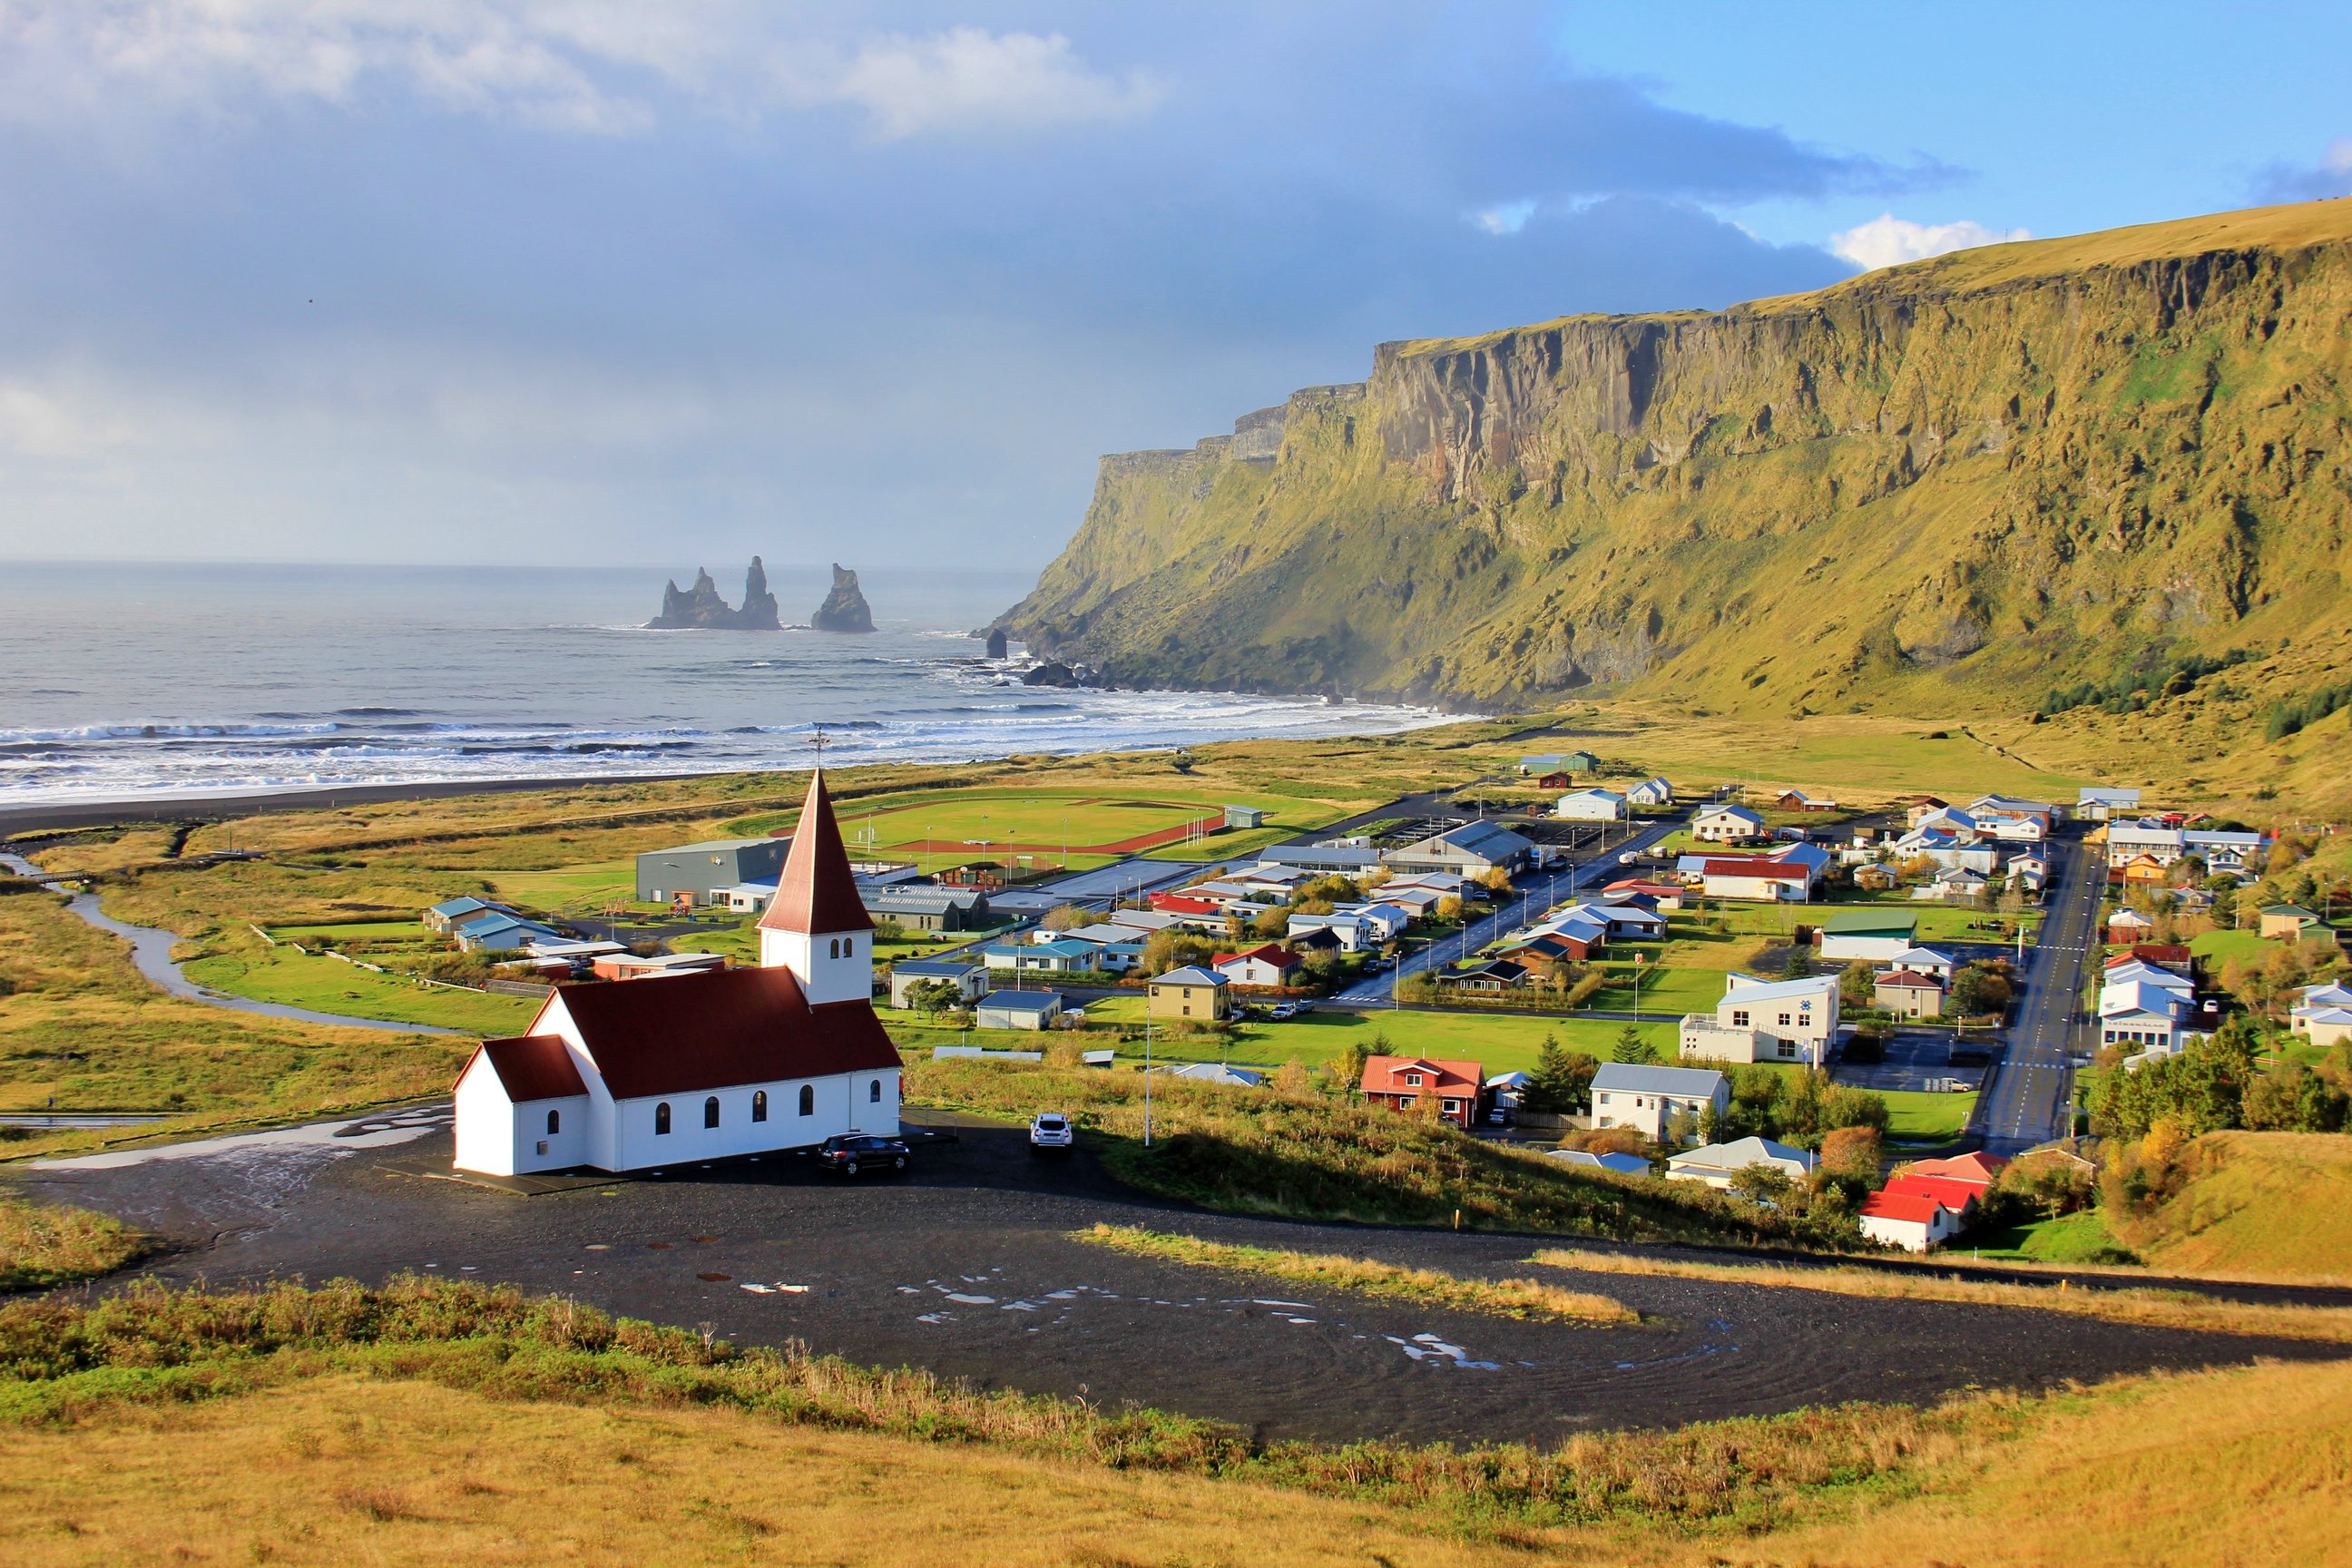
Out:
{"x": 966, "y": 1268}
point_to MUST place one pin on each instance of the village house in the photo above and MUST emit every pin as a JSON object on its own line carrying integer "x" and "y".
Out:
{"x": 908, "y": 972}
{"x": 1493, "y": 976}
{"x": 2096, "y": 804}
{"x": 1473, "y": 849}
{"x": 1018, "y": 1009}
{"x": 1200, "y": 995}
{"x": 1766, "y": 1021}
{"x": 1646, "y": 1098}
{"x": 1874, "y": 934}
{"x": 1052, "y": 955}
{"x": 1754, "y": 877}
{"x": 1951, "y": 884}
{"x": 1908, "y": 995}
{"x": 1460, "y": 1087}
{"x": 2126, "y": 926}
{"x": 445, "y": 918}
{"x": 626, "y": 965}
{"x": 1717, "y": 1164}
{"x": 1907, "y": 1216}
{"x": 2324, "y": 1015}
{"x": 1923, "y": 960}
{"x": 2287, "y": 921}
{"x": 2141, "y": 1004}
{"x": 498, "y": 932}
{"x": 1726, "y": 824}
{"x": 1651, "y": 792}
{"x": 1798, "y": 800}
{"x": 1591, "y": 805}
{"x": 926, "y": 908}
{"x": 702, "y": 1067}
{"x": 1268, "y": 965}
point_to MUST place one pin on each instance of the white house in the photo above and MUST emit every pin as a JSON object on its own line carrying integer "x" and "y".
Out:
{"x": 2141, "y": 1004}
{"x": 1017, "y": 1009}
{"x": 1755, "y": 877}
{"x": 2324, "y": 1015}
{"x": 1877, "y": 935}
{"x": 1923, "y": 960}
{"x": 1726, "y": 824}
{"x": 2096, "y": 804}
{"x": 1591, "y": 805}
{"x": 1766, "y": 1021}
{"x": 1910, "y": 1220}
{"x": 2126, "y": 839}
{"x": 707, "y": 1066}
{"x": 1651, "y": 792}
{"x": 1355, "y": 933}
{"x": 1717, "y": 1163}
{"x": 1646, "y": 1098}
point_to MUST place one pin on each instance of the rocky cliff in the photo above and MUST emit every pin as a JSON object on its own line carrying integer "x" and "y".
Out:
{"x": 1953, "y": 484}
{"x": 845, "y": 608}
{"x": 700, "y": 607}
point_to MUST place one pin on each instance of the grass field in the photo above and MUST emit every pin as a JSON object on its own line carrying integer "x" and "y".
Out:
{"x": 43, "y": 1244}
{"x": 84, "y": 1027}
{"x": 324, "y": 985}
{"x": 2079, "y": 1237}
{"x": 2218, "y": 947}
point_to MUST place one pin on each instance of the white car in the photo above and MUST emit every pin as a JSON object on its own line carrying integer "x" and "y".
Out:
{"x": 1050, "y": 1132}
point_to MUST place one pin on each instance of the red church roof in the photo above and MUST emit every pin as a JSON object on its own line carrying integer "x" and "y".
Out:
{"x": 717, "y": 1029}
{"x": 817, "y": 893}
{"x": 534, "y": 1067}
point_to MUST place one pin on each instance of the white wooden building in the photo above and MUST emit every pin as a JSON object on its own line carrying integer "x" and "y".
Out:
{"x": 636, "y": 1076}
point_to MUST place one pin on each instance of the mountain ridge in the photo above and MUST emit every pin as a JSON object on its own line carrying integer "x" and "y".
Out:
{"x": 1963, "y": 480}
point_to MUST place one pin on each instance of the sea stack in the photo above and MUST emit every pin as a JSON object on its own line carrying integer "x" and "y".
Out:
{"x": 845, "y": 608}
{"x": 996, "y": 643}
{"x": 701, "y": 608}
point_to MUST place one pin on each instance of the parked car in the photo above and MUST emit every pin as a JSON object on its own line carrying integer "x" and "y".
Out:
{"x": 1282, "y": 1010}
{"x": 1050, "y": 1132}
{"x": 849, "y": 1152}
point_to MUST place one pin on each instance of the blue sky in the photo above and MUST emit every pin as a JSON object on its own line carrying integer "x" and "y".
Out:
{"x": 444, "y": 280}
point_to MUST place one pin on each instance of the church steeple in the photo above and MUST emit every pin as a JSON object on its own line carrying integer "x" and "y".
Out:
{"x": 816, "y": 925}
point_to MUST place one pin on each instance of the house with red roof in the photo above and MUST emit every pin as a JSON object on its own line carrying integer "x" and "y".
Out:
{"x": 1979, "y": 1169}
{"x": 1268, "y": 963}
{"x": 1401, "y": 1081}
{"x": 1908, "y": 1217}
{"x": 704, "y": 1066}
{"x": 1753, "y": 877}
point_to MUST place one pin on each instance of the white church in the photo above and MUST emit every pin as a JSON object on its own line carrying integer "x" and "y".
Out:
{"x": 636, "y": 1074}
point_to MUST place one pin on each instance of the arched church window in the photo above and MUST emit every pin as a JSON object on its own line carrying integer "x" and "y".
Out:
{"x": 808, "y": 1100}
{"x": 661, "y": 1118}
{"x": 759, "y": 1105}
{"x": 710, "y": 1112}
{"x": 554, "y": 1122}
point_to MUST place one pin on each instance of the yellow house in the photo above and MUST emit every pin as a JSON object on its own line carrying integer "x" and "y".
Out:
{"x": 2289, "y": 921}
{"x": 1202, "y": 995}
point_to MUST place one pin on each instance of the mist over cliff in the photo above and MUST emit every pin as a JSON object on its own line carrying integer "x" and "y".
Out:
{"x": 1958, "y": 483}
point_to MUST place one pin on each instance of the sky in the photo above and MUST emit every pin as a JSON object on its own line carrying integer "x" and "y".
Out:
{"x": 606, "y": 282}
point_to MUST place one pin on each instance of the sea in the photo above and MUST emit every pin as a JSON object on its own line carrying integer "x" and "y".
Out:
{"x": 122, "y": 682}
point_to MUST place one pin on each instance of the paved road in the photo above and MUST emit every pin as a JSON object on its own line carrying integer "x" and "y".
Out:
{"x": 2030, "y": 1098}
{"x": 1537, "y": 891}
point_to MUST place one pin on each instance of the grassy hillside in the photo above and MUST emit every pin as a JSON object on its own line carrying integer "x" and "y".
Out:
{"x": 2256, "y": 1203}
{"x": 1948, "y": 487}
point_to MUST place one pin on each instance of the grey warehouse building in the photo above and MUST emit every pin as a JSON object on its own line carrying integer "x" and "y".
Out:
{"x": 926, "y": 909}
{"x": 701, "y": 869}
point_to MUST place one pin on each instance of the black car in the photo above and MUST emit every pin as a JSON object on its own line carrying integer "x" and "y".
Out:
{"x": 852, "y": 1152}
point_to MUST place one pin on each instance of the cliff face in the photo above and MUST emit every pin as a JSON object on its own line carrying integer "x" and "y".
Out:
{"x": 1948, "y": 485}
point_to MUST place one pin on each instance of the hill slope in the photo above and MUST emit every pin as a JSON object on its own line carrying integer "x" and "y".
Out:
{"x": 1950, "y": 485}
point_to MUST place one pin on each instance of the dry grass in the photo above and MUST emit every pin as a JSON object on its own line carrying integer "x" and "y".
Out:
{"x": 343, "y": 1470}
{"x": 2148, "y": 1308}
{"x": 1526, "y": 1299}
{"x": 2261, "y": 1205}
{"x": 43, "y": 1244}
{"x": 2222, "y": 1469}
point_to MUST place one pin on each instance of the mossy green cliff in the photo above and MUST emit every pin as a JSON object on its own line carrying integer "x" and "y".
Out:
{"x": 1950, "y": 485}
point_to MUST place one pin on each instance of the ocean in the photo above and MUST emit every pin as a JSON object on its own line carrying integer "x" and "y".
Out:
{"x": 124, "y": 682}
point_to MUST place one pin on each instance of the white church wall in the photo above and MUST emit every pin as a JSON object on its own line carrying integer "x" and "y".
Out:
{"x": 486, "y": 1123}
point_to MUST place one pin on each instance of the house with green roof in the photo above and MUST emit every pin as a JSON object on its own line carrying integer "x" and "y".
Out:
{"x": 1873, "y": 934}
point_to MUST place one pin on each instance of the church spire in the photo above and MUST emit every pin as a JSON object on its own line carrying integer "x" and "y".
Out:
{"x": 817, "y": 894}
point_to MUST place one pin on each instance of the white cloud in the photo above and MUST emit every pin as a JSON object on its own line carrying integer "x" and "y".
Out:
{"x": 585, "y": 66}
{"x": 967, "y": 78}
{"x": 1889, "y": 241}
{"x": 1505, "y": 217}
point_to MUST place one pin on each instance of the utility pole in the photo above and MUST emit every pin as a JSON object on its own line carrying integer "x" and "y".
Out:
{"x": 1147, "y": 1066}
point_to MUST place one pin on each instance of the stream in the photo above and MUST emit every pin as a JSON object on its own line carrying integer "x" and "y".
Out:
{"x": 150, "y": 951}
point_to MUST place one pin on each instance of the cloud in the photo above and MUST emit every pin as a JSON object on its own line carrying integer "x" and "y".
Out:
{"x": 1889, "y": 241}
{"x": 596, "y": 67}
{"x": 2333, "y": 177}
{"x": 967, "y": 78}
{"x": 1508, "y": 217}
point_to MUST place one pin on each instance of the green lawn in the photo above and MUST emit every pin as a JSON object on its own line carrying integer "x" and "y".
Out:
{"x": 2219, "y": 947}
{"x": 360, "y": 930}
{"x": 569, "y": 889}
{"x": 330, "y": 985}
{"x": 1915, "y": 1116}
{"x": 2079, "y": 1237}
